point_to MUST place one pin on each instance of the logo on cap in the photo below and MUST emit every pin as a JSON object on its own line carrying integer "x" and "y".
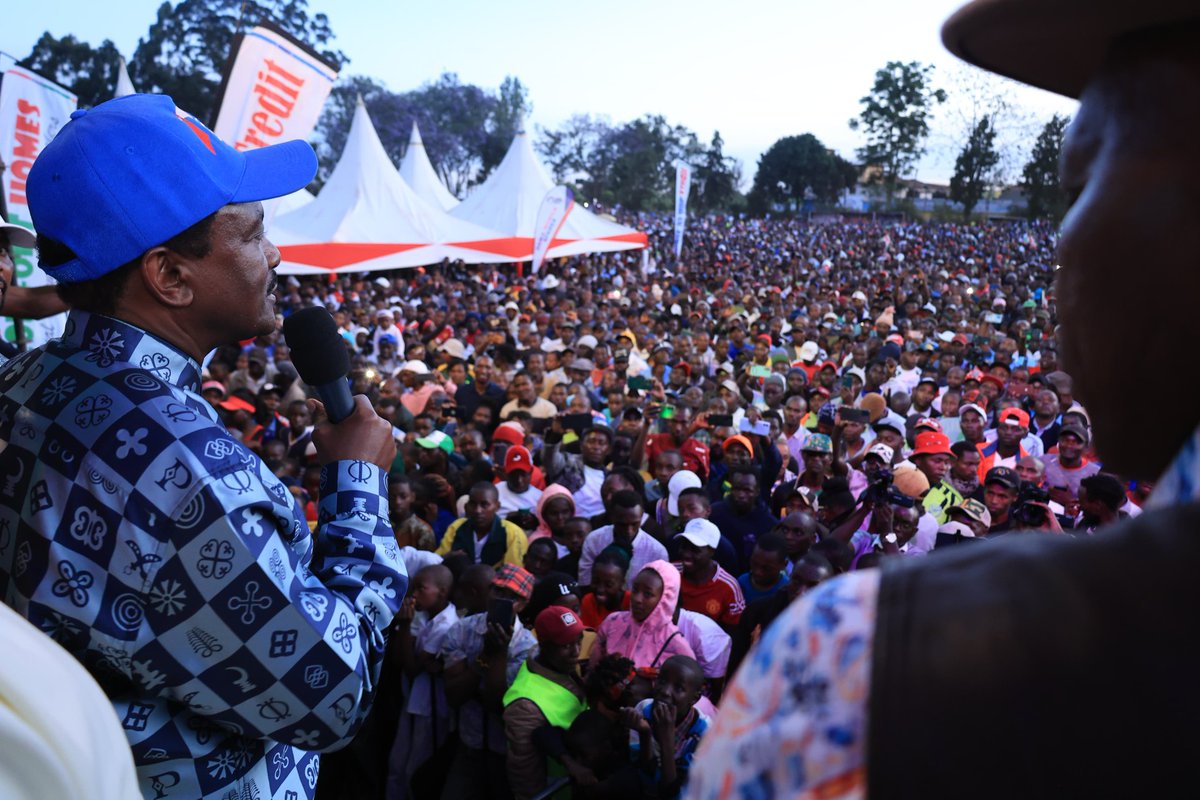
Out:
{"x": 201, "y": 134}
{"x": 568, "y": 618}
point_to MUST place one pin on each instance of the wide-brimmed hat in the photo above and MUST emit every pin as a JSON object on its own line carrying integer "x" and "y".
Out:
{"x": 1052, "y": 44}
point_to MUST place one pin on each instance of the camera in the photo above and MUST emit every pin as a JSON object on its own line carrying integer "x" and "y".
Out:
{"x": 1026, "y": 513}
{"x": 879, "y": 486}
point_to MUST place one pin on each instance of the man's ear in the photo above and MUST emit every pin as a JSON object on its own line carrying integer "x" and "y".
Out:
{"x": 168, "y": 277}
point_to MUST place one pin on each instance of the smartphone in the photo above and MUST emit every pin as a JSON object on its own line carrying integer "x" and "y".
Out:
{"x": 720, "y": 420}
{"x": 760, "y": 428}
{"x": 759, "y": 371}
{"x": 500, "y": 611}
{"x": 668, "y": 412}
{"x": 855, "y": 414}
{"x": 577, "y": 422}
{"x": 640, "y": 383}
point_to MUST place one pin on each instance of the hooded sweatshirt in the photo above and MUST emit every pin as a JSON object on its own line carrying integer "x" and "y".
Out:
{"x": 552, "y": 491}
{"x": 651, "y": 642}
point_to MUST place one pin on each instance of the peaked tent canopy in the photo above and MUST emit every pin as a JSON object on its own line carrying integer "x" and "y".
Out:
{"x": 419, "y": 174}
{"x": 508, "y": 202}
{"x": 367, "y": 218}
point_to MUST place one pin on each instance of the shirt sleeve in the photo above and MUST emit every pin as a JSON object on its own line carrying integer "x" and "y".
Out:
{"x": 254, "y": 625}
{"x": 793, "y": 722}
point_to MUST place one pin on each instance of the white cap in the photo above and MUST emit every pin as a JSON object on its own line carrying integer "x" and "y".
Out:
{"x": 550, "y": 282}
{"x": 971, "y": 407}
{"x": 808, "y": 351}
{"x": 454, "y": 348}
{"x": 882, "y": 450}
{"x": 702, "y": 533}
{"x": 419, "y": 367}
{"x": 683, "y": 479}
{"x": 858, "y": 296}
{"x": 587, "y": 341}
{"x": 957, "y": 527}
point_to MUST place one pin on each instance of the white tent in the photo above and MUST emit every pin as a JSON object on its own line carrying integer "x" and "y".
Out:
{"x": 367, "y": 218}
{"x": 419, "y": 174}
{"x": 508, "y": 202}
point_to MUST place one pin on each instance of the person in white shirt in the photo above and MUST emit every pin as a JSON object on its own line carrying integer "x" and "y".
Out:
{"x": 515, "y": 492}
{"x": 625, "y": 533}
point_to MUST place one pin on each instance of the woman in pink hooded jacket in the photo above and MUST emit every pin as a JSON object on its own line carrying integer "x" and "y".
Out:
{"x": 645, "y": 633}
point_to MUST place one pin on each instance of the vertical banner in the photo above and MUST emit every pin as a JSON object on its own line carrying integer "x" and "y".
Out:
{"x": 683, "y": 185}
{"x": 273, "y": 92}
{"x": 32, "y": 110}
{"x": 552, "y": 213}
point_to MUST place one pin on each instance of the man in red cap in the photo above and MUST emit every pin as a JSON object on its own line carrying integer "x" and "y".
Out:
{"x": 516, "y": 493}
{"x": 1038, "y": 666}
{"x": 1012, "y": 425}
{"x": 933, "y": 457}
{"x": 547, "y": 690}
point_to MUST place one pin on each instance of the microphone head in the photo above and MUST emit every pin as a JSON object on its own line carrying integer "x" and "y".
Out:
{"x": 318, "y": 350}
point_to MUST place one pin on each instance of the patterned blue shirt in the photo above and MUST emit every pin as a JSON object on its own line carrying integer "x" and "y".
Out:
{"x": 167, "y": 558}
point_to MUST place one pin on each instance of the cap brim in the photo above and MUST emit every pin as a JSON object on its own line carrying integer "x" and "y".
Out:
{"x": 18, "y": 236}
{"x": 1052, "y": 45}
{"x": 673, "y": 505}
{"x": 694, "y": 539}
{"x": 276, "y": 170}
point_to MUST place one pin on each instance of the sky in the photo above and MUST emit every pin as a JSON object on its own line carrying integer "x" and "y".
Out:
{"x": 756, "y": 71}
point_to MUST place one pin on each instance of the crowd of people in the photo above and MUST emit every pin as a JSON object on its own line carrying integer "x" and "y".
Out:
{"x": 613, "y": 475}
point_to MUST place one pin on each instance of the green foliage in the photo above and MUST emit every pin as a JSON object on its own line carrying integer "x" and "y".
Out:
{"x": 88, "y": 72}
{"x": 795, "y": 163}
{"x": 974, "y": 167}
{"x": 895, "y": 118}
{"x": 1039, "y": 178}
{"x": 633, "y": 164}
{"x": 182, "y": 54}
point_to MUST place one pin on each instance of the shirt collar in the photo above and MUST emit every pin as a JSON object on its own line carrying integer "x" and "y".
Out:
{"x": 112, "y": 341}
{"x": 1181, "y": 482}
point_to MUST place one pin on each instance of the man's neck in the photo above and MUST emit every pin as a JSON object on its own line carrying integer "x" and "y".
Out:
{"x": 1007, "y": 451}
{"x": 703, "y": 574}
{"x": 1070, "y": 463}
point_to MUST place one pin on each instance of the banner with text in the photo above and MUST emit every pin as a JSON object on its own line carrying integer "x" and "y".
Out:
{"x": 683, "y": 185}
{"x": 274, "y": 92}
{"x": 32, "y": 110}
{"x": 552, "y": 213}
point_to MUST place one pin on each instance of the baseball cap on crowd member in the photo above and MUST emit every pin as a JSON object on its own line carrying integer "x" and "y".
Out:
{"x": 701, "y": 533}
{"x": 517, "y": 458}
{"x": 517, "y": 580}
{"x": 973, "y": 509}
{"x": 809, "y": 351}
{"x": 910, "y": 481}
{"x": 418, "y": 367}
{"x": 453, "y": 348}
{"x": 510, "y": 432}
{"x": 212, "y": 386}
{"x": 978, "y": 409}
{"x": 874, "y": 404}
{"x": 1013, "y": 416}
{"x": 236, "y": 403}
{"x": 558, "y": 625}
{"x": 932, "y": 443}
{"x": 132, "y": 173}
{"x": 437, "y": 439}
{"x": 881, "y": 451}
{"x": 587, "y": 341}
{"x": 1005, "y": 476}
{"x": 18, "y": 236}
{"x": 683, "y": 479}
{"x": 1075, "y": 429}
{"x": 817, "y": 443}
{"x": 739, "y": 439}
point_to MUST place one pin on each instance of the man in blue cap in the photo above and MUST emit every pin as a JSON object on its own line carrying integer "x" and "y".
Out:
{"x": 154, "y": 547}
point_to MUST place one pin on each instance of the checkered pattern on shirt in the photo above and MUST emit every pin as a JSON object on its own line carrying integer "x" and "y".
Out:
{"x": 167, "y": 558}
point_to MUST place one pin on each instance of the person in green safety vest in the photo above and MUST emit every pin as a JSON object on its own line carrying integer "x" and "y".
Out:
{"x": 547, "y": 690}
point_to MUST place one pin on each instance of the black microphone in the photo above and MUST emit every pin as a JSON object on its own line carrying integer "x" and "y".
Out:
{"x": 320, "y": 356}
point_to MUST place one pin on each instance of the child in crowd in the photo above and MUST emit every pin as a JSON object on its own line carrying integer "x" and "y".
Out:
{"x": 410, "y": 530}
{"x": 608, "y": 592}
{"x": 420, "y": 630}
{"x": 666, "y": 729}
{"x": 540, "y": 557}
{"x": 554, "y": 508}
{"x": 481, "y": 534}
{"x": 766, "y": 575}
{"x": 570, "y": 545}
{"x": 646, "y": 632}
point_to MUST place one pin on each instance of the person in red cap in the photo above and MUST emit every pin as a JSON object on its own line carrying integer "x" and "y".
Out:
{"x": 1012, "y": 425}
{"x": 933, "y": 457}
{"x": 547, "y": 690}
{"x": 516, "y": 493}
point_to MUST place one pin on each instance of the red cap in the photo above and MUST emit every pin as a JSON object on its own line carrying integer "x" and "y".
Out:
{"x": 1014, "y": 416}
{"x": 933, "y": 443}
{"x": 558, "y": 625}
{"x": 510, "y": 432}
{"x": 993, "y": 379}
{"x": 517, "y": 458}
{"x": 766, "y": 338}
{"x": 739, "y": 439}
{"x": 236, "y": 404}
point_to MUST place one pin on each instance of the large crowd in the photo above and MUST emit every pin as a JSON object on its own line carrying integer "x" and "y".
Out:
{"x": 614, "y": 474}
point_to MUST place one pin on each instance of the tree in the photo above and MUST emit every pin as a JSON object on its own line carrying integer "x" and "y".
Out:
{"x": 184, "y": 52}
{"x": 794, "y": 163}
{"x": 716, "y": 178}
{"x": 90, "y": 73}
{"x": 507, "y": 119}
{"x": 1040, "y": 177}
{"x": 974, "y": 167}
{"x": 569, "y": 149}
{"x": 895, "y": 118}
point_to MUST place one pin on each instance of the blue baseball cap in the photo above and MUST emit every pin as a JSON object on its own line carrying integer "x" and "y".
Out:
{"x": 131, "y": 173}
